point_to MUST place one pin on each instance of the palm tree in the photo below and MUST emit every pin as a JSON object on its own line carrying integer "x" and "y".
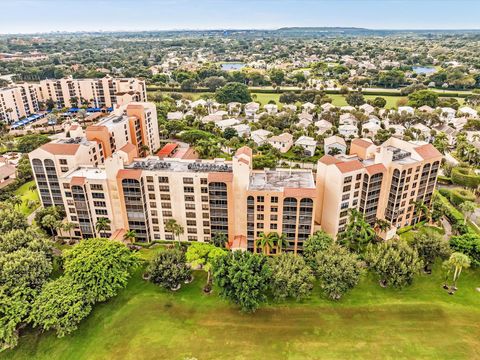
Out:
{"x": 265, "y": 242}
{"x": 467, "y": 208}
{"x": 220, "y": 239}
{"x": 358, "y": 233}
{"x": 130, "y": 236}
{"x": 381, "y": 225}
{"x": 102, "y": 225}
{"x": 68, "y": 227}
{"x": 459, "y": 261}
{"x": 281, "y": 241}
{"x": 15, "y": 200}
{"x": 420, "y": 209}
{"x": 82, "y": 115}
{"x": 175, "y": 228}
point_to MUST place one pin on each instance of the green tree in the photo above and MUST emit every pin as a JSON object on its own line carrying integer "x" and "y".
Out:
{"x": 430, "y": 245}
{"x": 130, "y": 236}
{"x": 11, "y": 219}
{"x": 394, "y": 261}
{"x": 423, "y": 97}
{"x": 220, "y": 239}
{"x": 173, "y": 227}
{"x": 60, "y": 306}
{"x": 50, "y": 222}
{"x": 468, "y": 244}
{"x": 24, "y": 239}
{"x": 358, "y": 233}
{"x": 338, "y": 271}
{"x": 458, "y": 262}
{"x": 315, "y": 244}
{"x": 355, "y": 98}
{"x": 169, "y": 269}
{"x": 467, "y": 208}
{"x": 265, "y": 242}
{"x": 102, "y": 225}
{"x": 100, "y": 266}
{"x": 214, "y": 82}
{"x": 243, "y": 278}
{"x": 233, "y": 92}
{"x": 15, "y": 305}
{"x": 203, "y": 255}
{"x": 379, "y": 102}
{"x": 291, "y": 277}
{"x": 68, "y": 226}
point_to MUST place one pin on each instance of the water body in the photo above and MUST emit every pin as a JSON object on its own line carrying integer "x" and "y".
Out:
{"x": 232, "y": 66}
{"x": 424, "y": 70}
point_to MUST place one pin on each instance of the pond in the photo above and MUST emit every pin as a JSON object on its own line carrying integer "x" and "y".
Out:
{"x": 424, "y": 70}
{"x": 232, "y": 66}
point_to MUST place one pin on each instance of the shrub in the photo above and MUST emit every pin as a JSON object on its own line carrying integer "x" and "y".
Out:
{"x": 465, "y": 177}
{"x": 459, "y": 196}
{"x": 468, "y": 244}
{"x": 169, "y": 269}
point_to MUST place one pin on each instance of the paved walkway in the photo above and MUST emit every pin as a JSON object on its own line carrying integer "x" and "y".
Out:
{"x": 448, "y": 228}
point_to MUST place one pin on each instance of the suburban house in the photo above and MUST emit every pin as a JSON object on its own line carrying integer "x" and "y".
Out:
{"x": 242, "y": 130}
{"x": 348, "y": 130}
{"x": 308, "y": 144}
{"x": 334, "y": 142}
{"x": 271, "y": 109}
{"x": 8, "y": 173}
{"x": 290, "y": 107}
{"x": 370, "y": 128}
{"x": 367, "y": 108}
{"x": 323, "y": 126}
{"x": 450, "y": 133}
{"x": 468, "y": 112}
{"x": 282, "y": 142}
{"x": 327, "y": 107}
{"x": 234, "y": 108}
{"x": 260, "y": 136}
{"x": 448, "y": 113}
{"x": 223, "y": 124}
{"x": 251, "y": 109}
{"x": 348, "y": 119}
{"x": 308, "y": 106}
{"x": 406, "y": 109}
{"x": 424, "y": 132}
{"x": 174, "y": 115}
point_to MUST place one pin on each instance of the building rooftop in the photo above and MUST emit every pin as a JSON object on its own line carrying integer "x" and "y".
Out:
{"x": 278, "y": 179}
{"x": 180, "y": 165}
{"x": 112, "y": 120}
{"x": 88, "y": 173}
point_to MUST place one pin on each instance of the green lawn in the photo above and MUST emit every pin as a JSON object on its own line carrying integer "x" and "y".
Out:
{"x": 146, "y": 322}
{"x": 26, "y": 194}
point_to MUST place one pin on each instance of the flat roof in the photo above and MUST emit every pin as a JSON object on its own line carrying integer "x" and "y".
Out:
{"x": 180, "y": 165}
{"x": 278, "y": 179}
{"x": 88, "y": 173}
{"x": 112, "y": 120}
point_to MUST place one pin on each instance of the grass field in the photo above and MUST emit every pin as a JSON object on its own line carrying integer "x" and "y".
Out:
{"x": 146, "y": 322}
{"x": 338, "y": 100}
{"x": 26, "y": 195}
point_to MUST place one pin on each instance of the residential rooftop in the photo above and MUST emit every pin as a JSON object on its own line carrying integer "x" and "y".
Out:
{"x": 180, "y": 165}
{"x": 278, "y": 179}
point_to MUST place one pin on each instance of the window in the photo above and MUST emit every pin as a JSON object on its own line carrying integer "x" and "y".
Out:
{"x": 166, "y": 213}
{"x": 150, "y": 179}
{"x": 163, "y": 180}
{"x": 260, "y": 217}
{"x": 260, "y": 199}
{"x": 347, "y": 180}
{"x": 273, "y": 226}
{"x": 188, "y": 189}
{"x": 273, "y": 217}
{"x": 101, "y": 212}
{"x": 63, "y": 161}
{"x": 164, "y": 188}
{"x": 274, "y": 209}
{"x": 190, "y": 215}
{"x": 191, "y": 230}
{"x": 274, "y": 199}
{"x": 359, "y": 176}
{"x": 190, "y": 206}
{"x": 259, "y": 225}
{"x": 191, "y": 223}
{"x": 96, "y": 195}
{"x": 260, "y": 208}
{"x": 189, "y": 198}
{"x": 165, "y": 197}
{"x": 188, "y": 180}
{"x": 346, "y": 188}
{"x": 99, "y": 203}
{"x": 203, "y": 181}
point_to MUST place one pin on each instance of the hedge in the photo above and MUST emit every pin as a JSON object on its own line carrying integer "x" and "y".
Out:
{"x": 459, "y": 196}
{"x": 453, "y": 215}
{"x": 444, "y": 180}
{"x": 465, "y": 177}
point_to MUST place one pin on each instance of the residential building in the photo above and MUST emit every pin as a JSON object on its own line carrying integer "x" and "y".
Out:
{"x": 308, "y": 144}
{"x": 381, "y": 182}
{"x": 334, "y": 142}
{"x": 282, "y": 142}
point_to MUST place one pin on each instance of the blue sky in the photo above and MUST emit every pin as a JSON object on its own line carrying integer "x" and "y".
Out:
{"x": 29, "y": 16}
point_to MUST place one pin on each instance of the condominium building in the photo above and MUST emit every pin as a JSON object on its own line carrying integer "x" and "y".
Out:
{"x": 130, "y": 130}
{"x": 382, "y": 182}
{"x": 21, "y": 100}
{"x": 133, "y": 123}
{"x": 208, "y": 197}
{"x": 97, "y": 93}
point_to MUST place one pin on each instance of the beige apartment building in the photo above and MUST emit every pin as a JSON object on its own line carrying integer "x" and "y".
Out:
{"x": 380, "y": 181}
{"x": 102, "y": 175}
{"x": 21, "y": 100}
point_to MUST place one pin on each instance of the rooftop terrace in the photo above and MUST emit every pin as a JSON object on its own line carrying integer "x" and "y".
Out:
{"x": 179, "y": 165}
{"x": 278, "y": 179}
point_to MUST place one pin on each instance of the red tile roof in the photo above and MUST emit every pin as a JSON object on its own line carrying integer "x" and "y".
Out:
{"x": 167, "y": 150}
{"x": 60, "y": 149}
{"x": 428, "y": 151}
{"x": 362, "y": 143}
{"x": 77, "y": 180}
{"x": 245, "y": 150}
{"x": 129, "y": 174}
{"x": 348, "y": 166}
{"x": 128, "y": 147}
{"x": 329, "y": 160}
{"x": 375, "y": 169}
